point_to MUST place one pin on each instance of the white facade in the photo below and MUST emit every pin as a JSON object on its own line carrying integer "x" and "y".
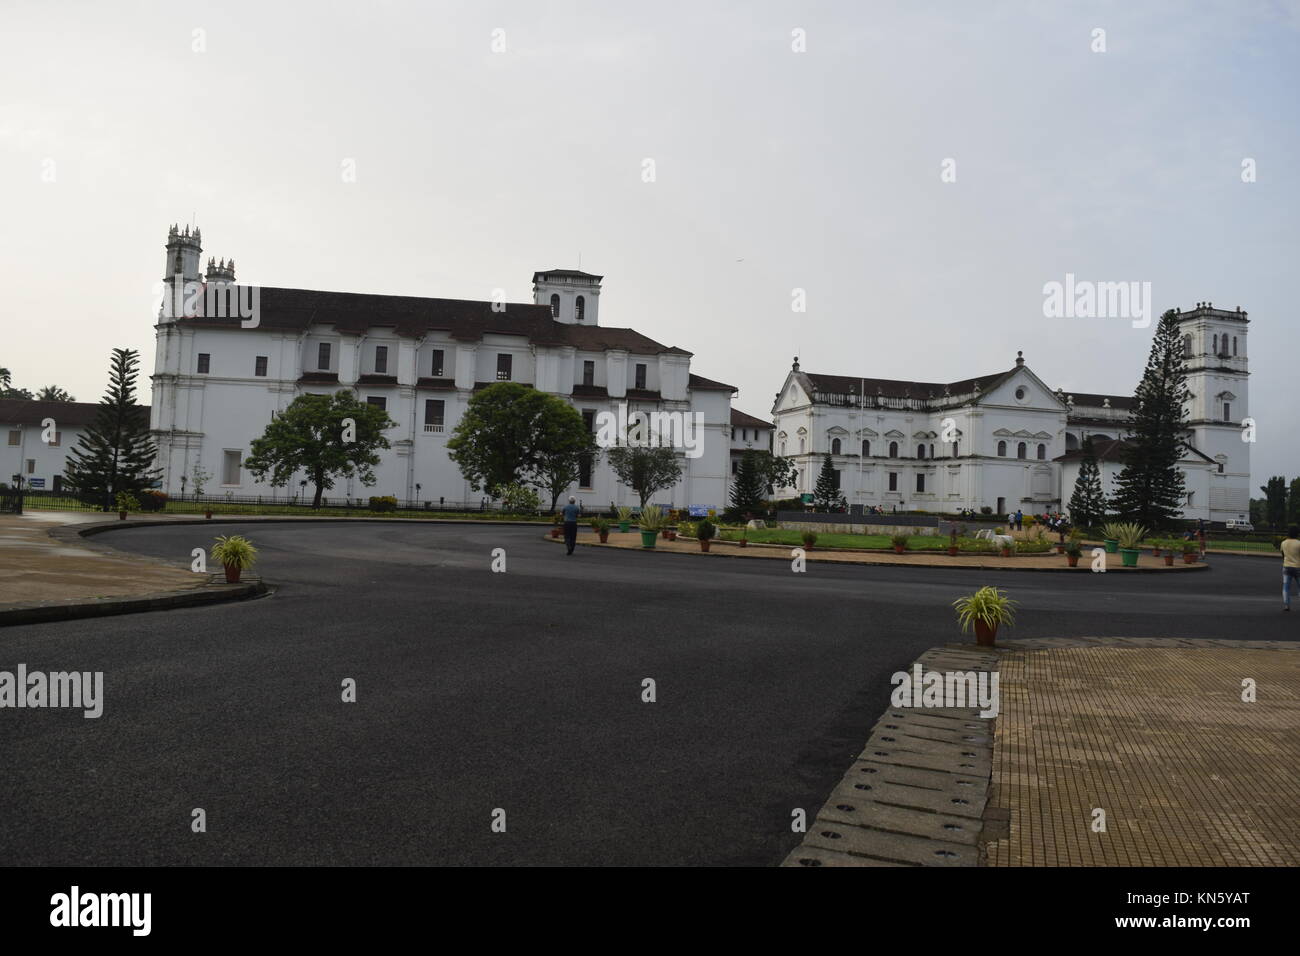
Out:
{"x": 24, "y": 449}
{"x": 1007, "y": 441}
{"x": 217, "y": 384}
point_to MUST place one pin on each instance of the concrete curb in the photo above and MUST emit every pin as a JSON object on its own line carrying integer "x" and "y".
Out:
{"x": 917, "y": 794}
{"x": 813, "y": 557}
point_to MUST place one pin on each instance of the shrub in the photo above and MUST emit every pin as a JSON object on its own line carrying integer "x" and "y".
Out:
{"x": 789, "y": 504}
{"x": 652, "y": 519}
{"x": 1073, "y": 549}
{"x": 1030, "y": 521}
{"x": 706, "y": 531}
{"x": 988, "y": 605}
{"x": 152, "y": 500}
{"x": 519, "y": 499}
{"x": 900, "y": 540}
{"x": 624, "y": 513}
{"x": 1033, "y": 547}
{"x": 600, "y": 525}
{"x": 686, "y": 529}
{"x": 383, "y": 503}
{"x": 986, "y": 510}
{"x": 809, "y": 538}
{"x": 127, "y": 502}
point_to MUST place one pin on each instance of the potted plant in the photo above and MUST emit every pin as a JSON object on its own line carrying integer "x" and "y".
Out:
{"x": 556, "y": 527}
{"x": 899, "y": 541}
{"x": 744, "y": 536}
{"x": 1005, "y": 548}
{"x": 809, "y": 538}
{"x": 1168, "y": 555}
{"x": 1130, "y": 536}
{"x": 987, "y": 609}
{"x": 235, "y": 554}
{"x": 1072, "y": 553}
{"x": 650, "y": 522}
{"x": 624, "y": 518}
{"x": 1110, "y": 537}
{"x": 705, "y": 532}
{"x": 953, "y": 548}
{"x": 601, "y": 527}
{"x": 126, "y": 502}
{"x": 1156, "y": 545}
{"x": 1190, "y": 550}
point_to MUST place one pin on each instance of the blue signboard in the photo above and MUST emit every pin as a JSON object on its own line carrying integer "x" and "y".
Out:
{"x": 699, "y": 511}
{"x": 36, "y": 483}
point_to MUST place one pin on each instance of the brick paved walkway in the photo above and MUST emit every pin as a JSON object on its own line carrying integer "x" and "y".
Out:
{"x": 1157, "y": 735}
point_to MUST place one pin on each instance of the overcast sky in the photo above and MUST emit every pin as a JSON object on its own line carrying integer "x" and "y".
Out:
{"x": 774, "y": 170}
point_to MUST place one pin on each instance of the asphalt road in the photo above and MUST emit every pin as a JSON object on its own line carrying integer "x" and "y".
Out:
{"x": 519, "y": 690}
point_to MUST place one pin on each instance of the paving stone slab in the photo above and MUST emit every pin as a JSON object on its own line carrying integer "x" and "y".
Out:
{"x": 978, "y": 766}
{"x": 913, "y": 777}
{"x": 879, "y": 816}
{"x": 857, "y": 793}
{"x": 815, "y": 856}
{"x": 893, "y": 847}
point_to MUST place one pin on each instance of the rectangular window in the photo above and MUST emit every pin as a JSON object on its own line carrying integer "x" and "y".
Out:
{"x": 734, "y": 465}
{"x": 433, "y": 412}
{"x": 205, "y": 361}
{"x": 381, "y": 359}
{"x": 323, "y": 357}
{"x": 893, "y": 481}
{"x": 589, "y": 419}
{"x": 31, "y": 465}
{"x": 640, "y": 375}
{"x": 588, "y": 373}
{"x": 436, "y": 369}
{"x": 505, "y": 363}
{"x": 378, "y": 401}
{"x": 15, "y": 437}
{"x": 920, "y": 482}
{"x": 230, "y": 468}
{"x": 57, "y": 440}
{"x": 584, "y": 471}
{"x": 1227, "y": 412}
{"x": 259, "y": 366}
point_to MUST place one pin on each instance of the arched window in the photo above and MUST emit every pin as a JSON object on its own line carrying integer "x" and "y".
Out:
{"x": 893, "y": 449}
{"x": 1216, "y": 345}
{"x": 956, "y": 449}
{"x": 931, "y": 449}
{"x": 555, "y": 306}
{"x": 1002, "y": 449}
{"x": 920, "y": 451}
{"x": 782, "y": 449}
{"x": 1042, "y": 451}
{"x": 801, "y": 446}
{"x": 1187, "y": 346}
{"x": 580, "y": 308}
{"x": 835, "y": 446}
{"x": 1234, "y": 345}
{"x": 1021, "y": 450}
{"x": 866, "y": 447}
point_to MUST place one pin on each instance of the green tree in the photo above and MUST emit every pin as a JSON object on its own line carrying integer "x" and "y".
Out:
{"x": 645, "y": 469}
{"x": 747, "y": 486}
{"x": 826, "y": 493}
{"x": 1151, "y": 488}
{"x": 564, "y": 446}
{"x": 52, "y": 393}
{"x": 6, "y": 386}
{"x": 1293, "y": 503}
{"x": 116, "y": 452}
{"x": 499, "y": 439}
{"x": 1275, "y": 501}
{"x": 314, "y": 435}
{"x": 775, "y": 472}
{"x": 1088, "y": 503}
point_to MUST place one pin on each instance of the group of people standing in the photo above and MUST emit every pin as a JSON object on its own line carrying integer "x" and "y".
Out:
{"x": 1052, "y": 520}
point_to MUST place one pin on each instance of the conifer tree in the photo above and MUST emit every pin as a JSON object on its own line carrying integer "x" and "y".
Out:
{"x": 1151, "y": 488}
{"x": 747, "y": 488}
{"x": 1088, "y": 503}
{"x": 826, "y": 493}
{"x": 116, "y": 452}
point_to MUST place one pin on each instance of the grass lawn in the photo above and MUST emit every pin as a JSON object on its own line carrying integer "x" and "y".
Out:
{"x": 846, "y": 541}
{"x": 174, "y": 507}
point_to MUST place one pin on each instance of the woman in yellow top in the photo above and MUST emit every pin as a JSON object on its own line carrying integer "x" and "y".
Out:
{"x": 1290, "y": 565}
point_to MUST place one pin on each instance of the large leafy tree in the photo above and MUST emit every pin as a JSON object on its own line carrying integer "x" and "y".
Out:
{"x": 1088, "y": 503}
{"x": 1150, "y": 490}
{"x": 564, "y": 445}
{"x": 775, "y": 472}
{"x": 1275, "y": 501}
{"x": 116, "y": 452}
{"x": 501, "y": 437}
{"x": 747, "y": 486}
{"x": 1293, "y": 503}
{"x": 52, "y": 393}
{"x": 826, "y": 493}
{"x": 6, "y": 386}
{"x": 313, "y": 436}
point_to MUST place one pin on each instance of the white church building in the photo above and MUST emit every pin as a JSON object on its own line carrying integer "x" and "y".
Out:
{"x": 1008, "y": 441}
{"x": 218, "y": 381}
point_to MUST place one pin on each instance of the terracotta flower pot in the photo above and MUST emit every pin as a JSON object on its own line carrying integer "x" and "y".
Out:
{"x": 121, "y": 516}
{"x": 743, "y": 543}
{"x": 1155, "y": 552}
{"x": 208, "y": 515}
{"x": 555, "y": 532}
{"x": 1060, "y": 549}
{"x": 1169, "y": 560}
{"x": 604, "y": 537}
{"x": 1006, "y": 552}
{"x": 665, "y": 534}
{"x": 1189, "y": 557}
{"x": 898, "y": 549}
{"x": 232, "y": 573}
{"x": 704, "y": 544}
{"x": 985, "y": 634}
{"x": 1072, "y": 560}
{"x": 953, "y": 552}
{"x": 672, "y": 535}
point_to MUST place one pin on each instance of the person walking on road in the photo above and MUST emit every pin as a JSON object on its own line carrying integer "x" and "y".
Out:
{"x": 571, "y": 513}
{"x": 1290, "y": 565}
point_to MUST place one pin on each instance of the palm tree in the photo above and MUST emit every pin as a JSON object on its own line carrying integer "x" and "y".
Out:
{"x": 52, "y": 393}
